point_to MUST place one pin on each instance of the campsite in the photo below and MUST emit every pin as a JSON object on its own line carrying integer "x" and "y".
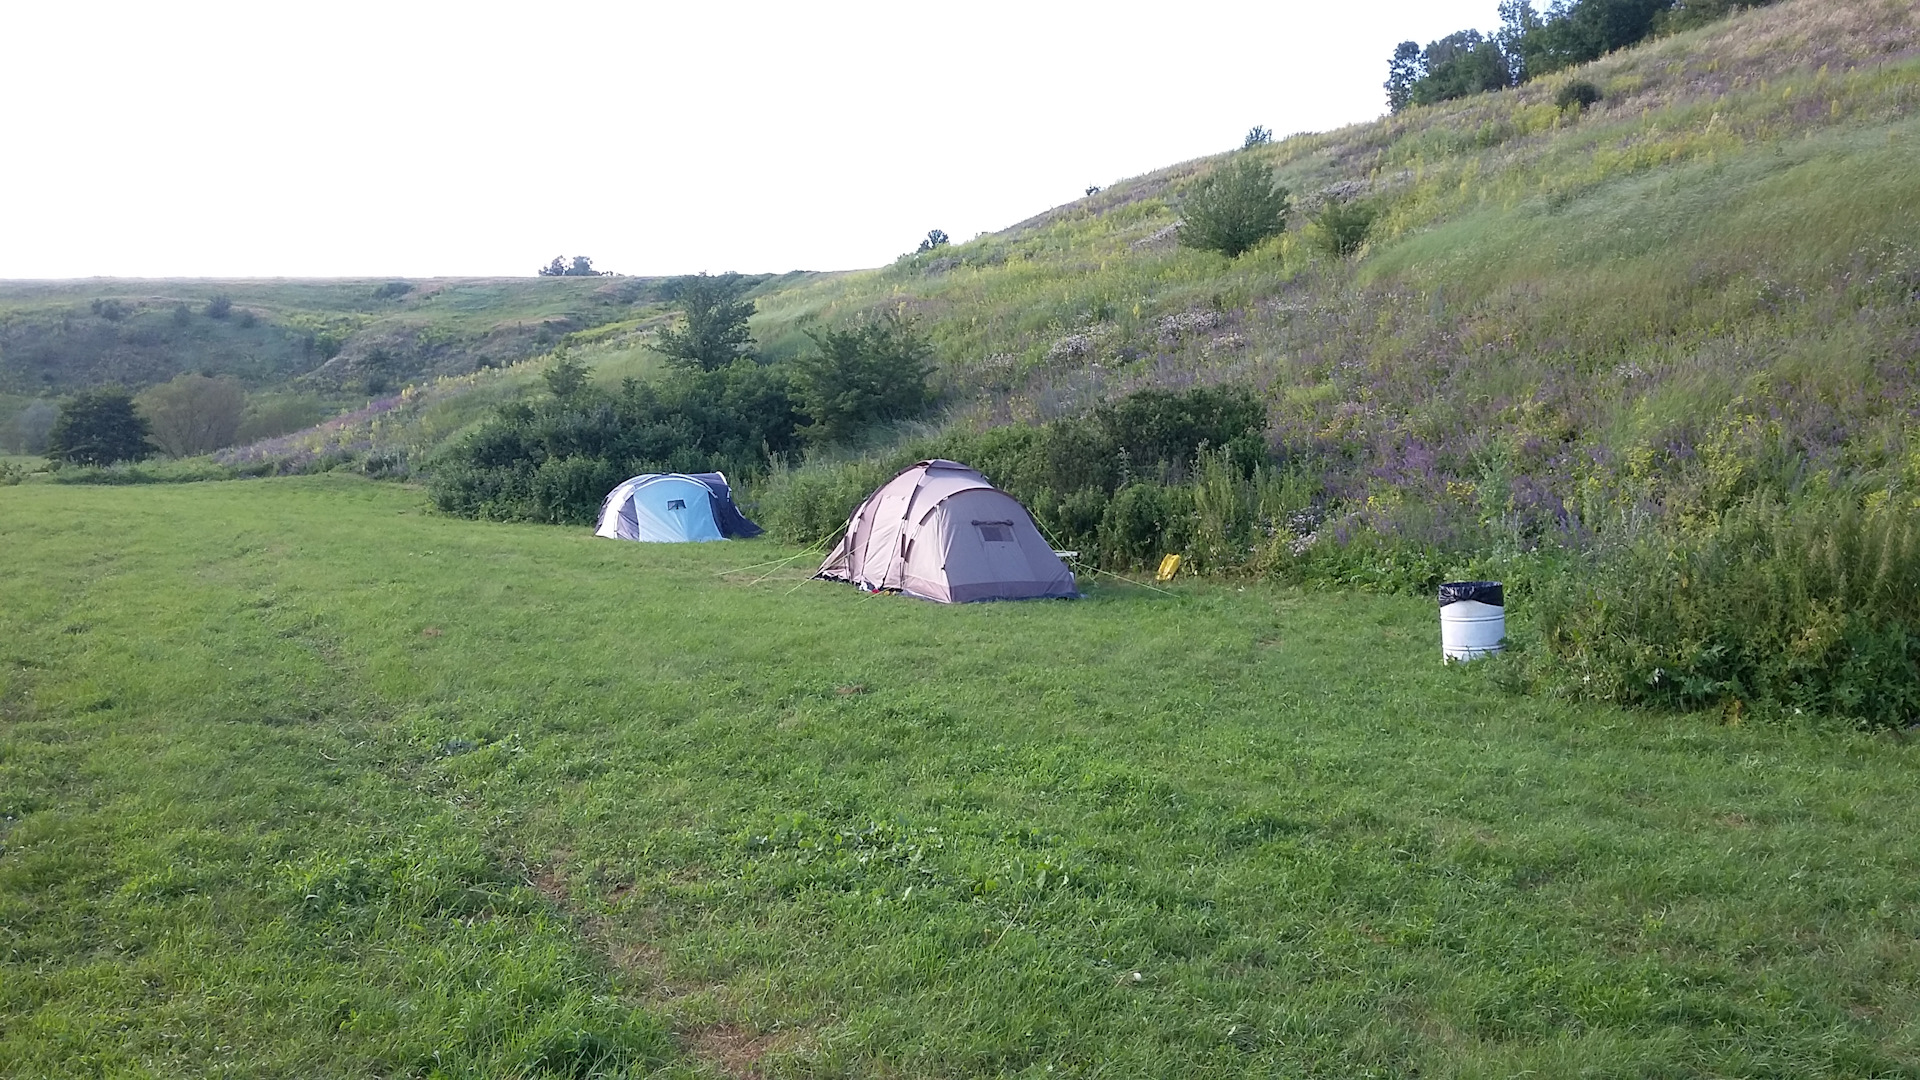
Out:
{"x": 1431, "y": 593}
{"x": 343, "y": 786}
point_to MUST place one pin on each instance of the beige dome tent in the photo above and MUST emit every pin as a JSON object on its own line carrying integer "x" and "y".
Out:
{"x": 941, "y": 532}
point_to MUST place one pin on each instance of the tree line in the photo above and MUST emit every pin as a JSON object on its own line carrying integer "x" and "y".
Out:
{"x": 1531, "y": 43}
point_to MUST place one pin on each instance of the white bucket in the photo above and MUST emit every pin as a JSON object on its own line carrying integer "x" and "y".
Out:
{"x": 1473, "y": 619}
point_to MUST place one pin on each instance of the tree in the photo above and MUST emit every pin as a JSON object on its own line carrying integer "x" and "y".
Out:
{"x": 99, "y": 427}
{"x": 1460, "y": 64}
{"x": 193, "y": 414}
{"x": 1257, "y": 136}
{"x": 1405, "y": 69}
{"x": 935, "y": 238}
{"x": 862, "y": 374}
{"x": 1234, "y": 208}
{"x": 581, "y": 266}
{"x": 566, "y": 377}
{"x": 714, "y": 328}
{"x": 219, "y": 307}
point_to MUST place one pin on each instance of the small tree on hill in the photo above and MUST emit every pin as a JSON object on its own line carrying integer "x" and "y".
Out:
{"x": 582, "y": 266}
{"x": 566, "y": 377}
{"x": 713, "y": 332}
{"x": 219, "y": 307}
{"x": 99, "y": 427}
{"x": 193, "y": 414}
{"x": 1257, "y": 136}
{"x": 935, "y": 238}
{"x": 1341, "y": 227}
{"x": 862, "y": 374}
{"x": 1234, "y": 208}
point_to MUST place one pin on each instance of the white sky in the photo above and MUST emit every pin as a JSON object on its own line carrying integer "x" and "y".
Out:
{"x": 330, "y": 138}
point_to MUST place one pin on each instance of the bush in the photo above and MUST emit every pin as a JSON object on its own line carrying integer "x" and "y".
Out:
{"x": 861, "y": 375}
{"x": 1579, "y": 94}
{"x": 219, "y": 307}
{"x": 193, "y": 414}
{"x": 554, "y": 459}
{"x": 935, "y": 239}
{"x": 393, "y": 290}
{"x": 1234, "y": 208}
{"x": 98, "y": 427}
{"x": 1809, "y": 607}
{"x": 713, "y": 331}
{"x": 1341, "y": 227}
{"x": 808, "y": 505}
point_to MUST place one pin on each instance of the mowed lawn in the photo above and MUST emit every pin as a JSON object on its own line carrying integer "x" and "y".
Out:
{"x": 298, "y": 779}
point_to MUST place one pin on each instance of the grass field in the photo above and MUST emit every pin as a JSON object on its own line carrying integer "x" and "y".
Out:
{"x": 298, "y": 779}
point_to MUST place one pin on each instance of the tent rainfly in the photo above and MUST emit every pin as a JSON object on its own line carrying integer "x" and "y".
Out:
{"x": 673, "y": 508}
{"x": 939, "y": 531}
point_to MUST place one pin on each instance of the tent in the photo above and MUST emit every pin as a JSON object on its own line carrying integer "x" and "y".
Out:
{"x": 673, "y": 508}
{"x": 941, "y": 532}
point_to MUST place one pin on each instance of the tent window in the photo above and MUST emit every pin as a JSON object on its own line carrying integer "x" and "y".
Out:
{"x": 994, "y": 532}
{"x": 676, "y": 504}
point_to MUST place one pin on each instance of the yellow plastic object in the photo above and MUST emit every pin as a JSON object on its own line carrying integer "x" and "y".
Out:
{"x": 1169, "y": 566}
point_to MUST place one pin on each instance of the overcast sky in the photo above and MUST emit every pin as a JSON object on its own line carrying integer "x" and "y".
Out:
{"x": 326, "y": 138}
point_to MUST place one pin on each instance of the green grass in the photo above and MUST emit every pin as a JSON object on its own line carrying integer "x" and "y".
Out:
{"x": 298, "y": 779}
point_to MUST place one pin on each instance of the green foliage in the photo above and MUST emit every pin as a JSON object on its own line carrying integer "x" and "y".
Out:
{"x": 565, "y": 377}
{"x": 581, "y": 266}
{"x": 935, "y": 239}
{"x": 392, "y": 290}
{"x": 1530, "y": 44}
{"x": 98, "y": 427}
{"x": 553, "y": 460}
{"x": 1112, "y": 484}
{"x": 1810, "y": 607}
{"x": 713, "y": 331}
{"x": 1578, "y": 94}
{"x": 1233, "y": 208}
{"x": 860, "y": 375}
{"x": 1341, "y": 226}
{"x": 193, "y": 414}
{"x": 1256, "y": 136}
{"x": 1459, "y": 65}
{"x": 220, "y": 306}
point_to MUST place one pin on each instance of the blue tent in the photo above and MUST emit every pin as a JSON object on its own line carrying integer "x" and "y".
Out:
{"x": 673, "y": 508}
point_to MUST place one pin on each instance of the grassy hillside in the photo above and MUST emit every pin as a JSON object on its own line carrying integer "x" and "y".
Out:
{"x": 299, "y": 779}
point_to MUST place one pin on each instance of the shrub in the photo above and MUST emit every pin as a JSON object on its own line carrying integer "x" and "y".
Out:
{"x": 1578, "y": 94}
{"x": 809, "y": 505}
{"x": 553, "y": 459}
{"x": 1809, "y": 607}
{"x": 393, "y": 290}
{"x": 713, "y": 331}
{"x": 861, "y": 375}
{"x": 219, "y": 307}
{"x": 935, "y": 239}
{"x": 98, "y": 427}
{"x": 1341, "y": 227}
{"x": 1141, "y": 523}
{"x": 1256, "y": 136}
{"x": 193, "y": 414}
{"x": 1234, "y": 208}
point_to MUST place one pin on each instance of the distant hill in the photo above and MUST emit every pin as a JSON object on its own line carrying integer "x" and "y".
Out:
{"x": 329, "y": 335}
